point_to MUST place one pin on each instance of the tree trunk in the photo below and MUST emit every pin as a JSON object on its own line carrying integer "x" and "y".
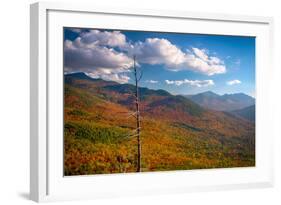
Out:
{"x": 137, "y": 117}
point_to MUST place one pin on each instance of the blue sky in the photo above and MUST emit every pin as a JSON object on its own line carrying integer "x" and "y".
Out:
{"x": 179, "y": 63}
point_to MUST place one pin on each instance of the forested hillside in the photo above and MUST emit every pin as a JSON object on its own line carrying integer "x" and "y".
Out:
{"x": 176, "y": 132}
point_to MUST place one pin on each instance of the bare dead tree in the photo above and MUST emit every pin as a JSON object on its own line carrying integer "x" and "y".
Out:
{"x": 137, "y": 104}
{"x": 136, "y": 114}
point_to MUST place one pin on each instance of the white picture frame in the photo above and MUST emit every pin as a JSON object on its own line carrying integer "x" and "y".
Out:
{"x": 47, "y": 182}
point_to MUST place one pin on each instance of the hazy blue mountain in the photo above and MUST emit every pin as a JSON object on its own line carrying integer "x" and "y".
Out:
{"x": 226, "y": 102}
{"x": 247, "y": 113}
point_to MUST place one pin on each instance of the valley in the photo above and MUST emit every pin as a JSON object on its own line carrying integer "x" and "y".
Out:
{"x": 176, "y": 132}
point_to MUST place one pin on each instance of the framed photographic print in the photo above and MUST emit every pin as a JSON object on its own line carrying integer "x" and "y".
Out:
{"x": 127, "y": 102}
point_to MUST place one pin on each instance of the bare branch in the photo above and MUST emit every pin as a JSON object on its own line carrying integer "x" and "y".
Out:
{"x": 140, "y": 77}
{"x": 130, "y": 136}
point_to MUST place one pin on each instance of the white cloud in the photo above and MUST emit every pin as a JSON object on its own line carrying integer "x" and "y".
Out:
{"x": 161, "y": 51}
{"x": 80, "y": 55}
{"x": 94, "y": 52}
{"x": 200, "y": 53}
{"x": 110, "y": 75}
{"x": 104, "y": 38}
{"x": 233, "y": 82}
{"x": 196, "y": 83}
{"x": 208, "y": 66}
{"x": 96, "y": 60}
{"x": 215, "y": 60}
{"x": 169, "y": 82}
{"x": 158, "y": 51}
{"x": 151, "y": 81}
{"x": 108, "y": 55}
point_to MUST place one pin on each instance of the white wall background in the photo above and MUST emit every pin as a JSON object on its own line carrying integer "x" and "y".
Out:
{"x": 14, "y": 101}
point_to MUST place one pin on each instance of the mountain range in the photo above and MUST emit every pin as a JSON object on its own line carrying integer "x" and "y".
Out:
{"x": 152, "y": 100}
{"x": 176, "y": 132}
{"x": 226, "y": 102}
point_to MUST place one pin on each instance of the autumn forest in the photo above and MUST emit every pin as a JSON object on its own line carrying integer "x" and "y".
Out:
{"x": 137, "y": 101}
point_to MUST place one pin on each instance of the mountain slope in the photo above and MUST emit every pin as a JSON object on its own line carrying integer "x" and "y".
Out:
{"x": 226, "y": 102}
{"x": 176, "y": 133}
{"x": 123, "y": 94}
{"x": 247, "y": 113}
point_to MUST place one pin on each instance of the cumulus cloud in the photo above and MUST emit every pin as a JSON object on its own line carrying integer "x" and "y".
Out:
{"x": 201, "y": 53}
{"x": 108, "y": 55}
{"x": 233, "y": 82}
{"x": 196, "y": 83}
{"x": 151, "y": 81}
{"x": 110, "y": 75}
{"x": 104, "y": 38}
{"x": 158, "y": 51}
{"x": 161, "y": 51}
{"x": 198, "y": 60}
{"x": 96, "y": 60}
{"x": 80, "y": 55}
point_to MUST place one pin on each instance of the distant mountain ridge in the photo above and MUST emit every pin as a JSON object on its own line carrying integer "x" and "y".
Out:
{"x": 246, "y": 113}
{"x": 152, "y": 100}
{"x": 209, "y": 99}
{"x": 155, "y": 104}
{"x": 226, "y": 102}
